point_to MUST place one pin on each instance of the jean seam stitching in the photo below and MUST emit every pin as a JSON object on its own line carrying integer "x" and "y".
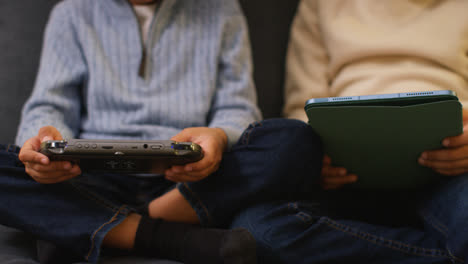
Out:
{"x": 304, "y": 217}
{"x": 199, "y": 202}
{"x": 93, "y": 237}
{"x": 246, "y": 138}
{"x": 455, "y": 258}
{"x": 293, "y": 206}
{"x": 438, "y": 252}
{"x": 437, "y": 224}
{"x": 12, "y": 151}
{"x": 252, "y": 227}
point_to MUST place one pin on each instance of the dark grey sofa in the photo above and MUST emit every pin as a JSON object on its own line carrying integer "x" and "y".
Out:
{"x": 22, "y": 23}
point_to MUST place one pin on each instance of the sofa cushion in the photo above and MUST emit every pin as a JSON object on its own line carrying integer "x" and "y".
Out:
{"x": 16, "y": 246}
{"x": 22, "y": 24}
{"x": 269, "y": 23}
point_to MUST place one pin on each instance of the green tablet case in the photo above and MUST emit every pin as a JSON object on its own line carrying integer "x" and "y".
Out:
{"x": 382, "y": 143}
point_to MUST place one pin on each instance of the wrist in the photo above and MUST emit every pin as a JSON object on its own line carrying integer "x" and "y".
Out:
{"x": 222, "y": 136}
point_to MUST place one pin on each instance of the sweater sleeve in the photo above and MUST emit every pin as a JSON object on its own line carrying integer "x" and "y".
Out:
{"x": 306, "y": 62}
{"x": 56, "y": 97}
{"x": 235, "y": 102}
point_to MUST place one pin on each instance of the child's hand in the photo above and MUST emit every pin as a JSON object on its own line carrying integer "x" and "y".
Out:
{"x": 38, "y": 166}
{"x": 453, "y": 159}
{"x": 334, "y": 177}
{"x": 213, "y": 142}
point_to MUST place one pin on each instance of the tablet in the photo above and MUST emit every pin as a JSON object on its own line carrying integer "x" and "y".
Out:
{"x": 380, "y": 137}
{"x": 123, "y": 156}
{"x": 399, "y": 99}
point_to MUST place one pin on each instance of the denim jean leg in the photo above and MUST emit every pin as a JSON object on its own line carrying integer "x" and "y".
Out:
{"x": 297, "y": 232}
{"x": 62, "y": 213}
{"x": 446, "y": 215}
{"x": 273, "y": 159}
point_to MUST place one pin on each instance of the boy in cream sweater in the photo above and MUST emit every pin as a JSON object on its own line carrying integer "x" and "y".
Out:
{"x": 360, "y": 47}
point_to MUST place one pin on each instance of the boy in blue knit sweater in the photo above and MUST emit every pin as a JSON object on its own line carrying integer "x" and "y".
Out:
{"x": 137, "y": 69}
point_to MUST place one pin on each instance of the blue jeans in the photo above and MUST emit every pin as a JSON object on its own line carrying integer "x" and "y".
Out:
{"x": 78, "y": 213}
{"x": 349, "y": 227}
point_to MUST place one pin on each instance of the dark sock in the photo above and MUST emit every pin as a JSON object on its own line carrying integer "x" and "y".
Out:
{"x": 192, "y": 244}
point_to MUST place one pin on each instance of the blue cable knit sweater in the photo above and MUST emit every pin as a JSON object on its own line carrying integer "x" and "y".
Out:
{"x": 197, "y": 71}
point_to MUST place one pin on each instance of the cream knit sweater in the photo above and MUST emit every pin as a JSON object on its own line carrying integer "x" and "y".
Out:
{"x": 357, "y": 47}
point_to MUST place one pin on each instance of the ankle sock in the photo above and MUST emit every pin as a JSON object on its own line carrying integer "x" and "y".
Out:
{"x": 192, "y": 244}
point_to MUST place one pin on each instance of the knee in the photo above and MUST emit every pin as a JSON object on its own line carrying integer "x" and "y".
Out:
{"x": 287, "y": 125}
{"x": 295, "y": 145}
{"x": 283, "y": 132}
